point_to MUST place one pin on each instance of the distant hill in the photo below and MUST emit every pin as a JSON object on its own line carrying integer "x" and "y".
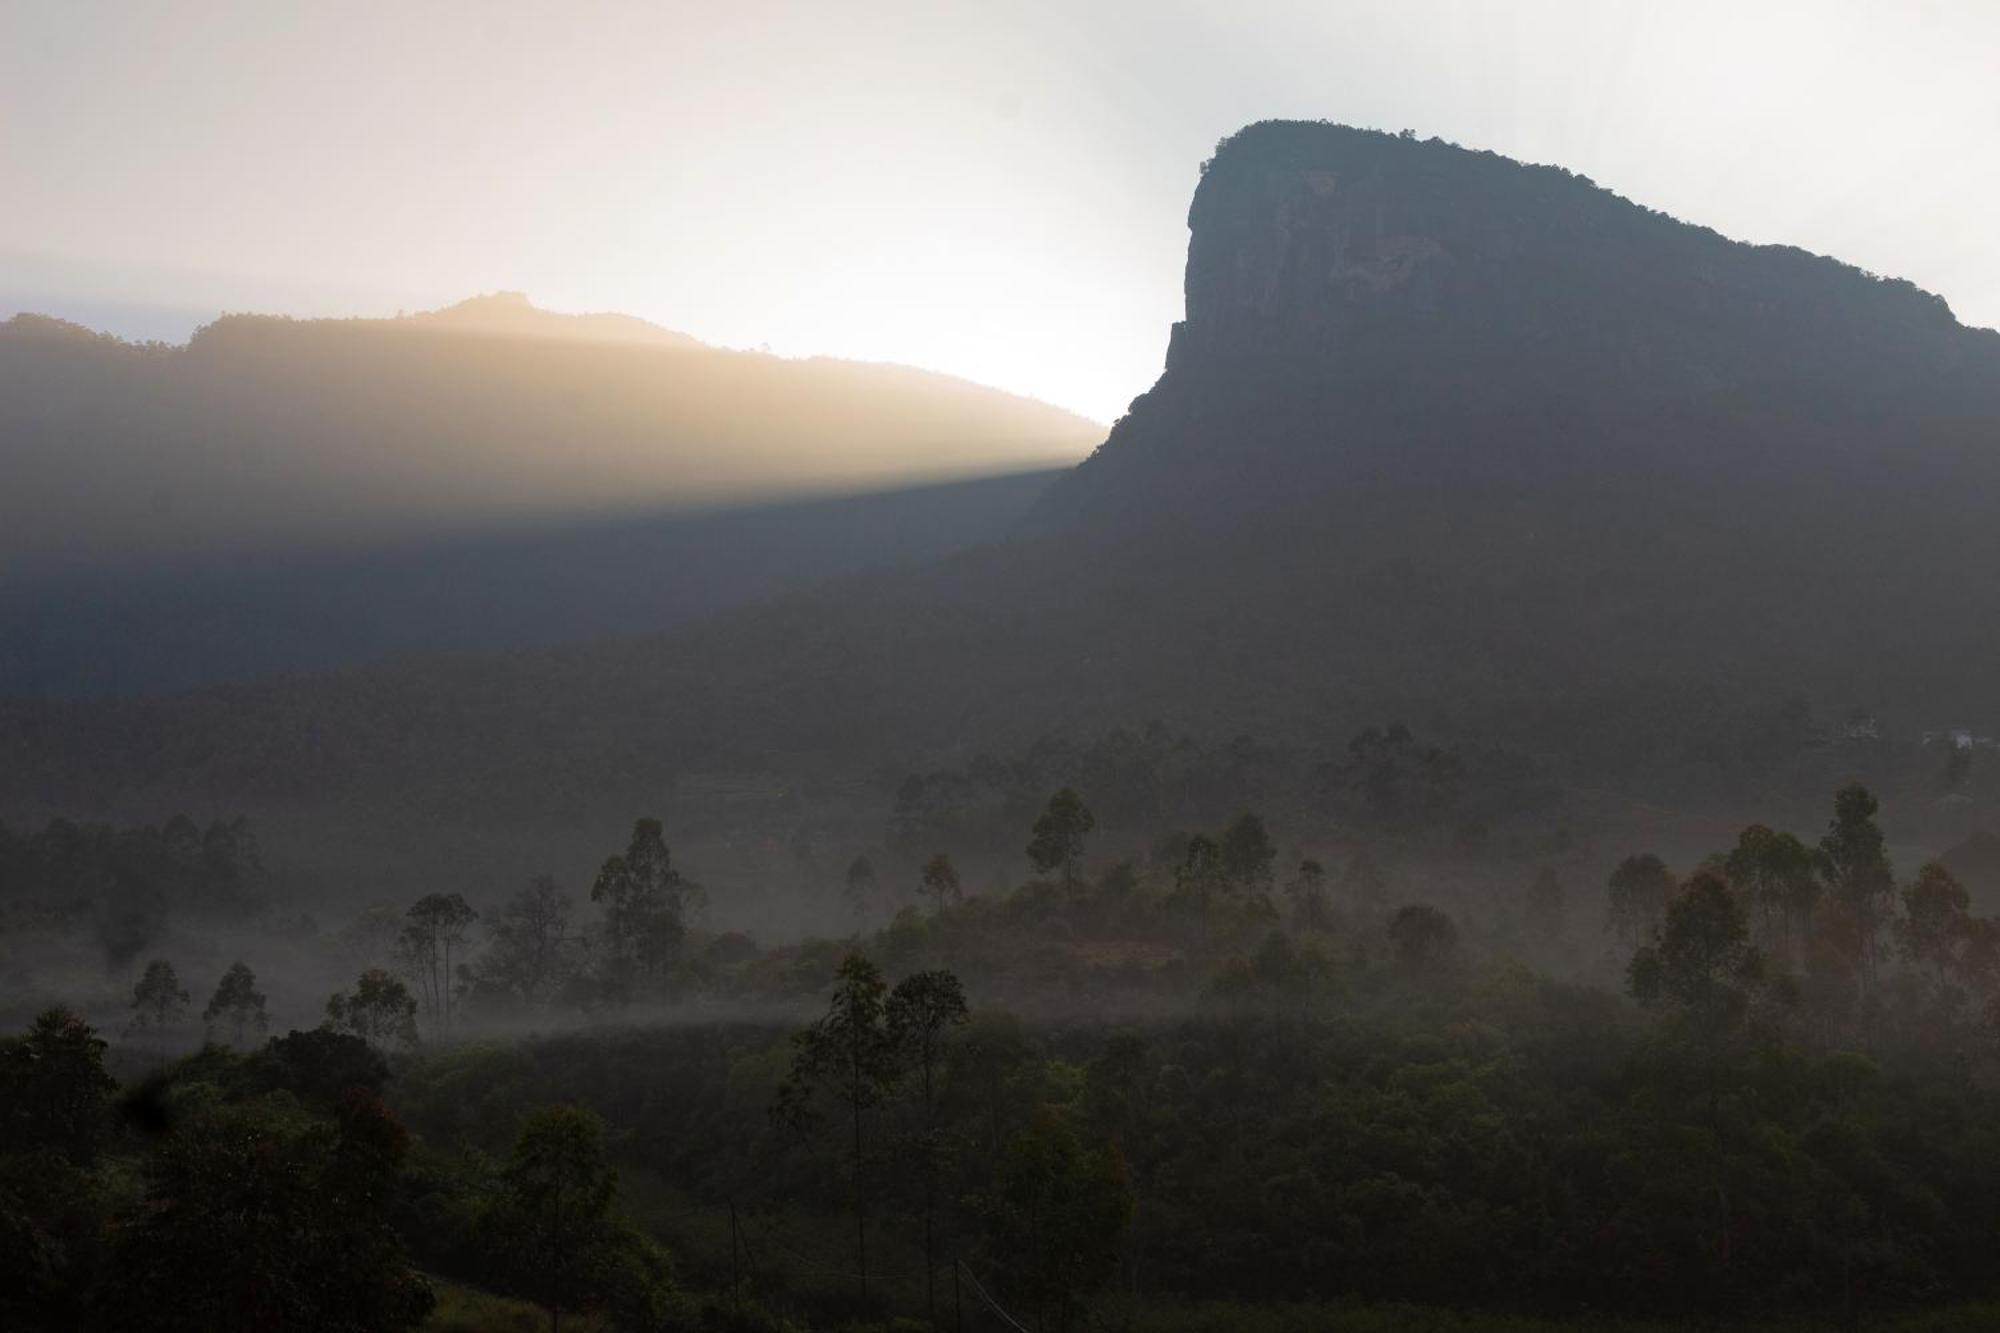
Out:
{"x": 512, "y": 315}
{"x": 127, "y": 631}
{"x": 276, "y": 437}
{"x": 1443, "y": 437}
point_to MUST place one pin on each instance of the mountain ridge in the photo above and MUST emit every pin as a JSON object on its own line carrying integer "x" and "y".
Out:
{"x": 1332, "y": 267}
{"x": 270, "y": 435}
{"x": 1339, "y": 507}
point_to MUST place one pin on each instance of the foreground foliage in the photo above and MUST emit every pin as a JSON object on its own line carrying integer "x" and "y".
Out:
{"x": 1254, "y": 1099}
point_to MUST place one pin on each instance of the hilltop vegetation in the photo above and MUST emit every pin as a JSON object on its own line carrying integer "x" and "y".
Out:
{"x": 1225, "y": 1080}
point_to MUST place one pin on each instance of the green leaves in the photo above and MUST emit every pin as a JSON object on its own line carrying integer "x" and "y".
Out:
{"x": 552, "y": 1235}
{"x": 259, "y": 1222}
{"x": 1703, "y": 960}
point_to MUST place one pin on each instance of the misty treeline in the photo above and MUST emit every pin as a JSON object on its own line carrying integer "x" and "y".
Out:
{"x": 123, "y": 886}
{"x": 1387, "y": 814}
{"x": 1217, "y": 1077}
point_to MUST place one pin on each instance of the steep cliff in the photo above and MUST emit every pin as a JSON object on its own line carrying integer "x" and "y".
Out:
{"x": 1367, "y": 309}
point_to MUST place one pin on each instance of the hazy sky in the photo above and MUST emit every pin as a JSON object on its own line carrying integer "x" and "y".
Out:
{"x": 994, "y": 189}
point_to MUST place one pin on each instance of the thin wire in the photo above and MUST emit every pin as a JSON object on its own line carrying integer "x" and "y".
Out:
{"x": 991, "y": 1304}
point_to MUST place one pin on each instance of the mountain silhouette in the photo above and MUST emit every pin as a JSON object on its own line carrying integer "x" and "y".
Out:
{"x": 1442, "y": 437}
{"x": 267, "y": 436}
{"x": 285, "y": 495}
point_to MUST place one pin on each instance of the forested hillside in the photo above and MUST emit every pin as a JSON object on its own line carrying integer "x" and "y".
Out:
{"x": 1216, "y": 1086}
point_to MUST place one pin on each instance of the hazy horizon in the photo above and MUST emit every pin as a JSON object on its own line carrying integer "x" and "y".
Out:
{"x": 997, "y": 194}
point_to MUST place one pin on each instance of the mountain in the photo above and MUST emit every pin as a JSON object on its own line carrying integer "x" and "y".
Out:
{"x": 512, "y": 315}
{"x": 1442, "y": 437}
{"x": 125, "y": 632}
{"x": 300, "y": 495}
{"x": 1366, "y": 310}
{"x": 269, "y": 437}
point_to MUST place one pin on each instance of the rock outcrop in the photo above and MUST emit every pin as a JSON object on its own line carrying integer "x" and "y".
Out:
{"x": 1403, "y": 304}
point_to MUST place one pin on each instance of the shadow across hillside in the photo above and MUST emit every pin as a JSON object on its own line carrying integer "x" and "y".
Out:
{"x": 122, "y": 632}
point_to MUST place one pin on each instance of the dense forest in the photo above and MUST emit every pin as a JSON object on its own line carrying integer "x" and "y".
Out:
{"x": 1208, "y": 1086}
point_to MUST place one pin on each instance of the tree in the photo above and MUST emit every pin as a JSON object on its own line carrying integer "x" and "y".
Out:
{"x": 253, "y": 1221}
{"x": 849, "y": 1059}
{"x": 54, "y": 1123}
{"x": 158, "y": 1000}
{"x": 551, "y": 1230}
{"x": 646, "y": 905}
{"x": 372, "y": 938}
{"x": 1780, "y": 875}
{"x": 438, "y": 923}
{"x": 1246, "y": 855}
{"x": 990, "y": 1073}
{"x": 1423, "y": 937}
{"x": 940, "y": 882}
{"x": 1199, "y": 875}
{"x": 1397, "y": 779}
{"x": 1704, "y": 970}
{"x": 321, "y": 1066}
{"x": 1310, "y": 908}
{"x": 1703, "y": 952}
{"x": 1278, "y": 980}
{"x": 862, "y": 887}
{"x": 530, "y": 952}
{"x": 1055, "y": 1218}
{"x": 921, "y": 1012}
{"x": 1937, "y": 924}
{"x": 381, "y": 1011}
{"x": 237, "y": 1006}
{"x": 1640, "y": 888}
{"x": 54, "y": 1093}
{"x": 1856, "y": 859}
{"x": 1059, "y": 834}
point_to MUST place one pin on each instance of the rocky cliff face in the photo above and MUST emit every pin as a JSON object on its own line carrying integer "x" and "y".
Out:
{"x": 1301, "y": 233}
{"x": 1360, "y": 303}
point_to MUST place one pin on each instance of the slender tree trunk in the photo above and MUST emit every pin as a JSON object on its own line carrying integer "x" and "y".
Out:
{"x": 930, "y": 1192}
{"x": 735, "y": 1276}
{"x": 556, "y": 1247}
{"x": 860, "y": 1197}
{"x": 860, "y": 1208}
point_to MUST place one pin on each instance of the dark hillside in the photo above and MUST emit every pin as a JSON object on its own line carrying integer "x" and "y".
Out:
{"x": 1443, "y": 437}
